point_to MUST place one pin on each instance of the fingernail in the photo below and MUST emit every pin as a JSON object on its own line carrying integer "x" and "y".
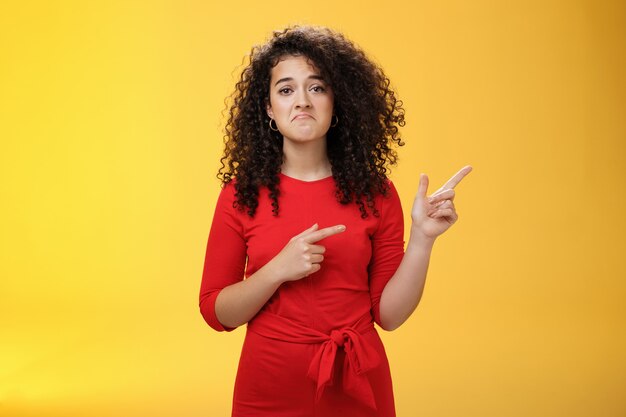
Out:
{"x": 342, "y": 228}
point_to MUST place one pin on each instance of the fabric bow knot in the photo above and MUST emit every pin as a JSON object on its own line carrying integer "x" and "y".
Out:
{"x": 360, "y": 358}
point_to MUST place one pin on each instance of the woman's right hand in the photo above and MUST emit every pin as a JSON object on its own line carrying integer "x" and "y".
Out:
{"x": 301, "y": 257}
{"x": 238, "y": 303}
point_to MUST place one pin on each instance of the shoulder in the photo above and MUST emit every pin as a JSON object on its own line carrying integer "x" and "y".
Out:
{"x": 228, "y": 188}
{"x": 390, "y": 191}
{"x": 389, "y": 201}
{"x": 227, "y": 195}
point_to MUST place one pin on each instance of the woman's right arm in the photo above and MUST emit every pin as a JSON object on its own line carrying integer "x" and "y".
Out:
{"x": 227, "y": 301}
{"x": 238, "y": 303}
{"x": 225, "y": 258}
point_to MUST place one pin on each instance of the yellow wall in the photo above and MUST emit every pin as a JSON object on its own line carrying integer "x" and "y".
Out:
{"x": 110, "y": 129}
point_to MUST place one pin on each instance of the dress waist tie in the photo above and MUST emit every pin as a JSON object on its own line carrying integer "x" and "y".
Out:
{"x": 360, "y": 356}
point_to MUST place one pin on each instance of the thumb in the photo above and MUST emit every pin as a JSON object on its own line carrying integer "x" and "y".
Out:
{"x": 423, "y": 186}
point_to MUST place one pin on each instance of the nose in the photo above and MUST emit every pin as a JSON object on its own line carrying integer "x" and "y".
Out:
{"x": 302, "y": 100}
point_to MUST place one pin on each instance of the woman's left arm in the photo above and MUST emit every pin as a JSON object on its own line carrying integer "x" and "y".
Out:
{"x": 431, "y": 217}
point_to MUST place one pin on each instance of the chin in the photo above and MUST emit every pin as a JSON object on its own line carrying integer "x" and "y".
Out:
{"x": 305, "y": 138}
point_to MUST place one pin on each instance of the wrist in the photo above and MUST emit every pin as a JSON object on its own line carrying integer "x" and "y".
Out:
{"x": 419, "y": 240}
{"x": 272, "y": 275}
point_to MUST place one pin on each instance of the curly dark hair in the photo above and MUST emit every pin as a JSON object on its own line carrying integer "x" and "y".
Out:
{"x": 359, "y": 148}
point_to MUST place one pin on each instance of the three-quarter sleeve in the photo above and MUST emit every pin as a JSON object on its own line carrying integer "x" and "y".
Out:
{"x": 225, "y": 258}
{"x": 387, "y": 247}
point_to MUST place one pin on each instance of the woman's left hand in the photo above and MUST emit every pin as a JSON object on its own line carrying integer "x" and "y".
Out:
{"x": 434, "y": 214}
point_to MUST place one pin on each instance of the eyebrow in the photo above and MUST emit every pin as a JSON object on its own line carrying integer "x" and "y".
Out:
{"x": 311, "y": 77}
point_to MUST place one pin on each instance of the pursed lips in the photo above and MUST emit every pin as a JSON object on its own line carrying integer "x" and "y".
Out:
{"x": 302, "y": 116}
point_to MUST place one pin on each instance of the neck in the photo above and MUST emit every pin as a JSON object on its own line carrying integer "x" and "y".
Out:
{"x": 306, "y": 161}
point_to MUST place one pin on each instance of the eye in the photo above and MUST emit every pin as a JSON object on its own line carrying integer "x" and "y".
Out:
{"x": 285, "y": 90}
{"x": 318, "y": 89}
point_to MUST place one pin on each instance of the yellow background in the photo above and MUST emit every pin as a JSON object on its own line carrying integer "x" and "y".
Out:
{"x": 110, "y": 126}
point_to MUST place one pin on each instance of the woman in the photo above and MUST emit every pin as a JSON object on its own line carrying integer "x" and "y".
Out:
{"x": 308, "y": 216}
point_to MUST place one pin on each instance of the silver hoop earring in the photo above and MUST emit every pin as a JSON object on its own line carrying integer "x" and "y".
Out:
{"x": 275, "y": 129}
{"x": 336, "y": 121}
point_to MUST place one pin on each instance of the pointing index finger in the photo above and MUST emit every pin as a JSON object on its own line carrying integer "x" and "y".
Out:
{"x": 456, "y": 178}
{"x": 324, "y": 233}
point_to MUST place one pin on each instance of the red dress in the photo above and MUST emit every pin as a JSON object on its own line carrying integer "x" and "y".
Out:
{"x": 312, "y": 350}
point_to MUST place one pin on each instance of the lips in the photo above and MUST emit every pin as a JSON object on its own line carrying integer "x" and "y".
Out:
{"x": 302, "y": 116}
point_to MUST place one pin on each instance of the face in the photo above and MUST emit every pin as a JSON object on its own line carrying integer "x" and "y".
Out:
{"x": 300, "y": 102}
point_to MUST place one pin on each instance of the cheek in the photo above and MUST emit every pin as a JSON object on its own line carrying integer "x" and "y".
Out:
{"x": 279, "y": 106}
{"x": 325, "y": 105}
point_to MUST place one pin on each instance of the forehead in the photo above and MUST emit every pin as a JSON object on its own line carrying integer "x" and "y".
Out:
{"x": 293, "y": 66}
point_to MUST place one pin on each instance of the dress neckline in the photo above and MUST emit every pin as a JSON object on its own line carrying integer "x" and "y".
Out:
{"x": 298, "y": 181}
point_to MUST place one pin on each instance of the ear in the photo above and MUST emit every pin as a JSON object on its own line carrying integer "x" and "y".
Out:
{"x": 268, "y": 109}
